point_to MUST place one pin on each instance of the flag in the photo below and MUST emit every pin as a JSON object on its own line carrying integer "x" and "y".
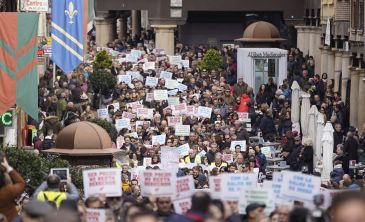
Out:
{"x": 327, "y": 40}
{"x": 18, "y": 62}
{"x": 70, "y": 23}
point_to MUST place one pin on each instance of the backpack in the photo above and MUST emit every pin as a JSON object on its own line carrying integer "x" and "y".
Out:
{"x": 52, "y": 203}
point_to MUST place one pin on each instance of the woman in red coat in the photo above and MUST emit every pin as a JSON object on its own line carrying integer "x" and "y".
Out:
{"x": 243, "y": 107}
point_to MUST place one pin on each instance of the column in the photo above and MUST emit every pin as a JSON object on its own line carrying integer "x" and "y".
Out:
{"x": 311, "y": 41}
{"x": 122, "y": 28}
{"x": 136, "y": 22}
{"x": 165, "y": 38}
{"x": 330, "y": 63}
{"x": 104, "y": 31}
{"x": 345, "y": 73}
{"x": 338, "y": 69}
{"x": 306, "y": 40}
{"x": 144, "y": 19}
{"x": 361, "y": 99}
{"x": 324, "y": 59}
{"x": 300, "y": 37}
{"x": 354, "y": 96}
{"x": 317, "y": 52}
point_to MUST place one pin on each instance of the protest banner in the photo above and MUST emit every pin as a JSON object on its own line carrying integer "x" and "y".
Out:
{"x": 159, "y": 95}
{"x": 158, "y": 183}
{"x": 165, "y": 75}
{"x": 299, "y": 187}
{"x": 102, "y": 181}
{"x": 184, "y": 149}
{"x": 185, "y": 187}
{"x": 103, "y": 113}
{"x": 215, "y": 186}
{"x": 149, "y": 97}
{"x": 175, "y": 60}
{"x": 174, "y": 120}
{"x": 181, "y": 87}
{"x": 258, "y": 196}
{"x": 123, "y": 123}
{"x": 182, "y": 130}
{"x": 173, "y": 101}
{"x": 233, "y": 183}
{"x": 159, "y": 139}
{"x": 149, "y": 66}
{"x": 171, "y": 84}
{"x": 170, "y": 158}
{"x": 145, "y": 113}
{"x": 179, "y": 109}
{"x": 95, "y": 215}
{"x": 205, "y": 112}
{"x": 125, "y": 78}
{"x": 147, "y": 161}
{"x": 227, "y": 157}
{"x": 241, "y": 143}
{"x": 151, "y": 81}
{"x": 182, "y": 206}
{"x": 128, "y": 115}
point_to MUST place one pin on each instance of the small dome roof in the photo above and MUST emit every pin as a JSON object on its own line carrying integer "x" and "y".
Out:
{"x": 83, "y": 138}
{"x": 261, "y": 32}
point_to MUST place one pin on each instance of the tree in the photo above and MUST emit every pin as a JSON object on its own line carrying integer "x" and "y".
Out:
{"x": 102, "y": 61}
{"x": 212, "y": 60}
{"x": 109, "y": 128}
{"x": 102, "y": 80}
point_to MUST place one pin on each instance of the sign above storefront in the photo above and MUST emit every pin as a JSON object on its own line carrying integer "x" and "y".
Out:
{"x": 266, "y": 54}
{"x": 34, "y": 5}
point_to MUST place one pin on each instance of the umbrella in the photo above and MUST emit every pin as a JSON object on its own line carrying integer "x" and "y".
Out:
{"x": 295, "y": 106}
{"x": 312, "y": 125}
{"x": 327, "y": 141}
{"x": 304, "y": 117}
{"x": 319, "y": 133}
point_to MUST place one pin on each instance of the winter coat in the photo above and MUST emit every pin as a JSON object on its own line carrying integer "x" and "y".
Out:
{"x": 243, "y": 107}
{"x": 337, "y": 174}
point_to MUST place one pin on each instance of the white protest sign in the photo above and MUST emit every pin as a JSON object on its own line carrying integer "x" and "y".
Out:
{"x": 328, "y": 195}
{"x": 171, "y": 84}
{"x": 145, "y": 113}
{"x": 128, "y": 115}
{"x": 149, "y": 66}
{"x": 241, "y": 143}
{"x": 165, "y": 75}
{"x": 122, "y": 123}
{"x": 267, "y": 151}
{"x": 151, "y": 81}
{"x": 298, "y": 186}
{"x": 136, "y": 53}
{"x": 202, "y": 153}
{"x": 191, "y": 110}
{"x": 133, "y": 135}
{"x": 131, "y": 58}
{"x": 181, "y": 87}
{"x": 115, "y": 105}
{"x": 173, "y": 101}
{"x": 172, "y": 92}
{"x": 233, "y": 183}
{"x": 174, "y": 120}
{"x": 135, "y": 105}
{"x": 185, "y": 63}
{"x": 95, "y": 215}
{"x": 125, "y": 78}
{"x": 243, "y": 117}
{"x": 179, "y": 109}
{"x": 149, "y": 97}
{"x": 160, "y": 139}
{"x": 158, "y": 183}
{"x": 170, "y": 158}
{"x": 227, "y": 157}
{"x": 215, "y": 186}
{"x": 175, "y": 60}
{"x": 147, "y": 161}
{"x": 184, "y": 149}
{"x": 103, "y": 113}
{"x": 182, "y": 130}
{"x": 184, "y": 187}
{"x": 159, "y": 95}
{"x": 204, "y": 111}
{"x": 182, "y": 206}
{"x": 135, "y": 75}
{"x": 102, "y": 181}
{"x": 259, "y": 196}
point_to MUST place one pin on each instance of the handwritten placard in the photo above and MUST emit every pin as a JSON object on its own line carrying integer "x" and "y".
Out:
{"x": 151, "y": 81}
{"x": 159, "y": 95}
{"x": 102, "y": 181}
{"x": 103, "y": 113}
{"x": 122, "y": 123}
{"x": 128, "y": 115}
{"x": 149, "y": 66}
{"x": 204, "y": 111}
{"x": 174, "y": 120}
{"x": 184, "y": 149}
{"x": 145, "y": 113}
{"x": 173, "y": 101}
{"x": 175, "y": 60}
{"x": 182, "y": 130}
{"x": 179, "y": 109}
{"x": 125, "y": 78}
{"x": 171, "y": 84}
{"x": 166, "y": 75}
{"x": 159, "y": 139}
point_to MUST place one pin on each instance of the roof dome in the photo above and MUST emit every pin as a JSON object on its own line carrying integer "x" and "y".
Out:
{"x": 83, "y": 138}
{"x": 261, "y": 32}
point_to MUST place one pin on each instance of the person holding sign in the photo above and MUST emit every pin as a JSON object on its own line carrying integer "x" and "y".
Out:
{"x": 193, "y": 157}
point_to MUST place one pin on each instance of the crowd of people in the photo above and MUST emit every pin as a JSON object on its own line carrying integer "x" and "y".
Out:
{"x": 70, "y": 98}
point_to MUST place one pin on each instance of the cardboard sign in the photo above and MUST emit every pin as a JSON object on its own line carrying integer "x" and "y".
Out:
{"x": 149, "y": 66}
{"x": 227, "y": 157}
{"x": 173, "y": 101}
{"x": 145, "y": 113}
{"x": 205, "y": 112}
{"x": 165, "y": 75}
{"x": 233, "y": 183}
{"x": 158, "y": 183}
{"x": 123, "y": 123}
{"x": 125, "y": 78}
{"x": 182, "y": 130}
{"x": 174, "y": 120}
{"x": 149, "y": 97}
{"x": 182, "y": 206}
{"x": 241, "y": 143}
{"x": 147, "y": 161}
{"x": 128, "y": 115}
{"x": 170, "y": 158}
{"x": 171, "y": 84}
{"x": 151, "y": 81}
{"x": 160, "y": 139}
{"x": 102, "y": 181}
{"x": 184, "y": 187}
{"x": 95, "y": 215}
{"x": 103, "y": 113}
{"x": 184, "y": 149}
{"x": 298, "y": 186}
{"x": 159, "y": 95}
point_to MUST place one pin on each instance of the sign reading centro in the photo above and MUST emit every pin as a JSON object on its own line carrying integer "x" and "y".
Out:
{"x": 6, "y": 119}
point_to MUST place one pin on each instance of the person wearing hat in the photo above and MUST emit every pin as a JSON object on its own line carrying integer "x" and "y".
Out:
{"x": 254, "y": 212}
{"x": 34, "y": 211}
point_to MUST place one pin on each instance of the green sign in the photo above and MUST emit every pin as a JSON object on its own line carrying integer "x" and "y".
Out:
{"x": 6, "y": 119}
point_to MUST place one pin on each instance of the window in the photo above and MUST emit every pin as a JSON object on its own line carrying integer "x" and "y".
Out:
{"x": 357, "y": 14}
{"x": 361, "y": 15}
